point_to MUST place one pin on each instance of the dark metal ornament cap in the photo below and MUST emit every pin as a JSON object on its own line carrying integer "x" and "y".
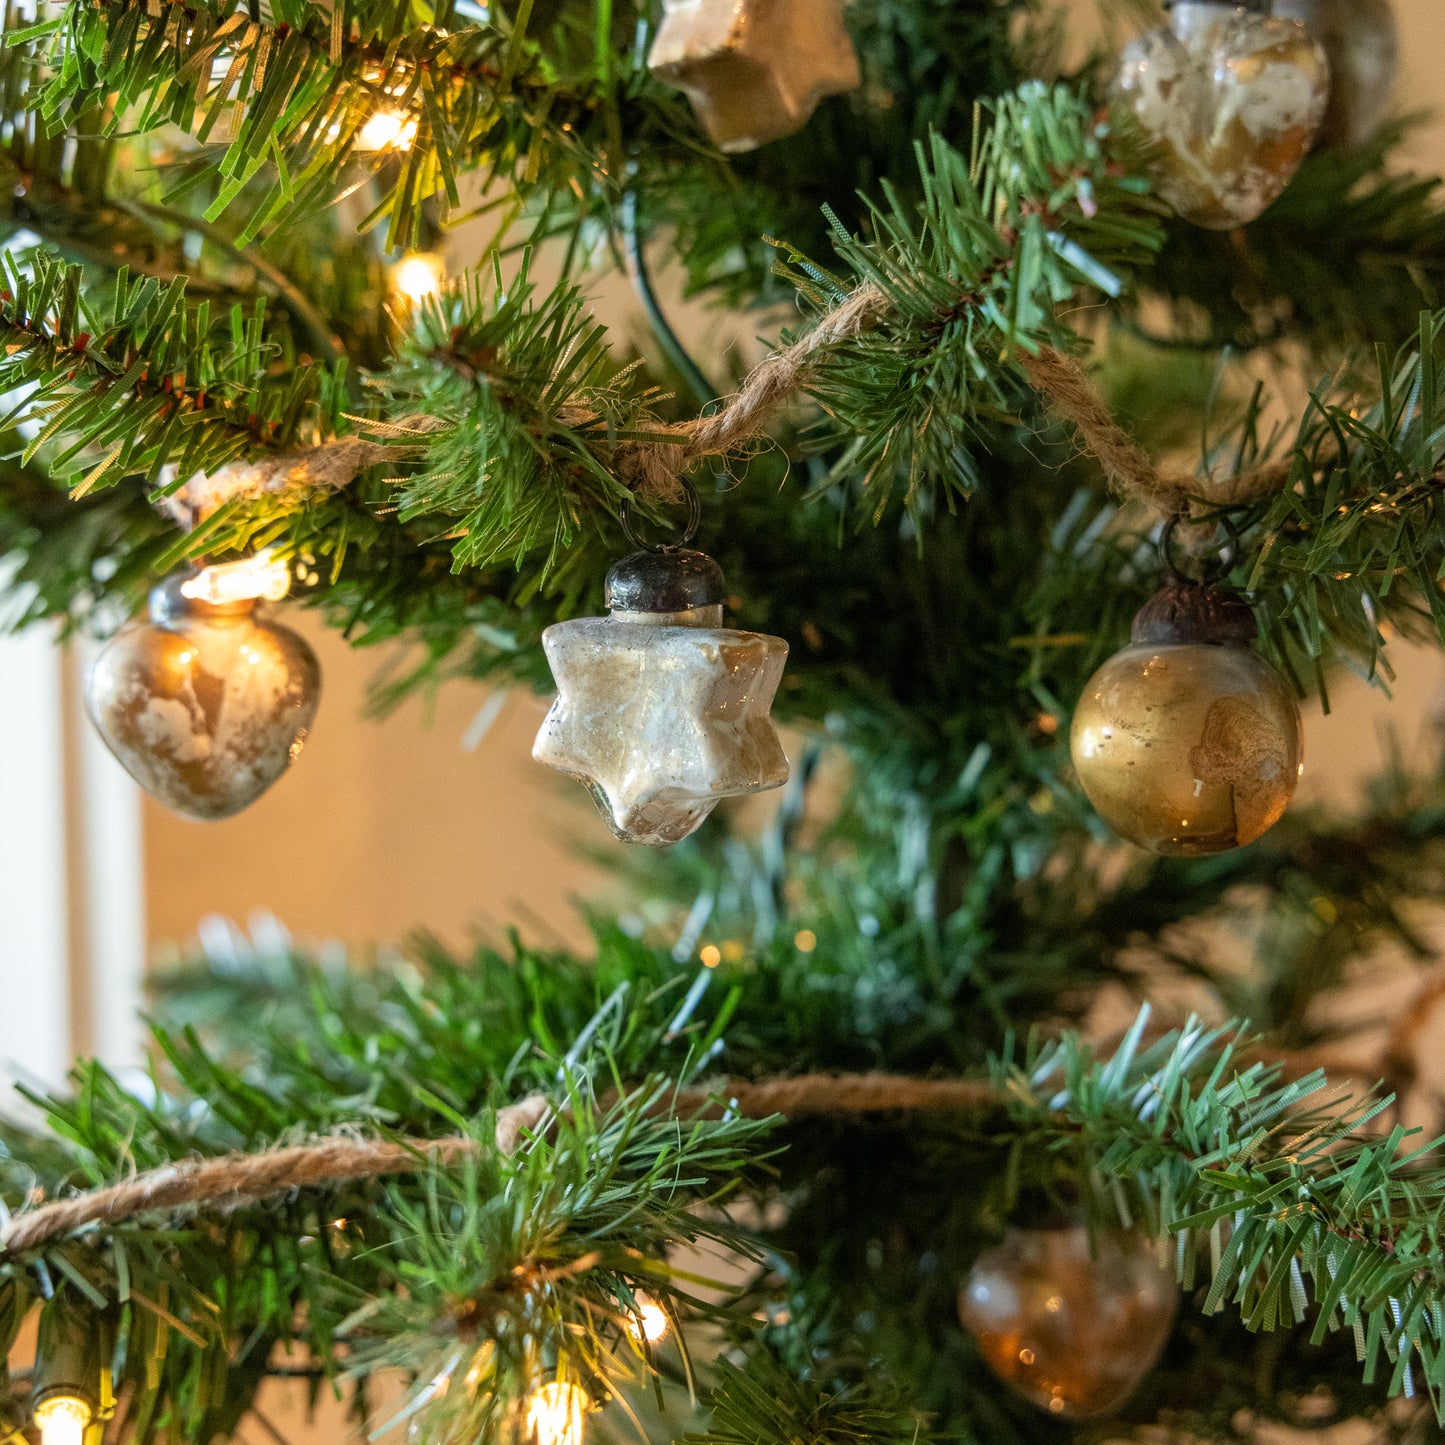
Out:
{"x": 675, "y": 581}
{"x": 1254, "y": 7}
{"x": 1192, "y": 612}
{"x": 168, "y": 604}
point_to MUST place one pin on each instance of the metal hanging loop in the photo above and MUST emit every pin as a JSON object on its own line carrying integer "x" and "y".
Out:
{"x": 1211, "y": 575}
{"x": 689, "y": 530}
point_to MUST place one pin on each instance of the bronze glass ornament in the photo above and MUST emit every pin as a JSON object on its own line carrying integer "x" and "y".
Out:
{"x": 206, "y": 705}
{"x": 661, "y": 711}
{"x": 754, "y": 70}
{"x": 1362, "y": 41}
{"x": 1070, "y": 1320}
{"x": 1187, "y": 742}
{"x": 1232, "y": 97}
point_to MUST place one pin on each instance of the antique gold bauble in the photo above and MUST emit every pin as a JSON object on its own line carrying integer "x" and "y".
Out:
{"x": 1071, "y": 1321}
{"x": 1362, "y": 41}
{"x": 206, "y": 705}
{"x": 754, "y": 70}
{"x": 661, "y": 711}
{"x": 1232, "y": 99}
{"x": 1187, "y": 742}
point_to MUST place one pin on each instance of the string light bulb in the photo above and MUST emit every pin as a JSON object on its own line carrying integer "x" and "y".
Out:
{"x": 62, "y": 1420}
{"x": 69, "y": 1383}
{"x": 649, "y": 1323}
{"x": 556, "y": 1414}
{"x": 263, "y": 575}
{"x": 418, "y": 275}
{"x": 387, "y": 130}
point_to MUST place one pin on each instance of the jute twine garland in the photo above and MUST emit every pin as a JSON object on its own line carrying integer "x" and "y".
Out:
{"x": 651, "y": 468}
{"x": 235, "y": 1179}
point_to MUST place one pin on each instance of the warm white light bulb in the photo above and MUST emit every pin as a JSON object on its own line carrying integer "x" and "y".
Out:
{"x": 62, "y": 1419}
{"x": 650, "y": 1321}
{"x": 387, "y": 130}
{"x": 418, "y": 275}
{"x": 556, "y": 1414}
{"x": 246, "y": 579}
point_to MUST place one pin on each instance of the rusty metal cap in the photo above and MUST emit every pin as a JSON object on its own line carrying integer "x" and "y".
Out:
{"x": 667, "y": 581}
{"x": 1192, "y": 612}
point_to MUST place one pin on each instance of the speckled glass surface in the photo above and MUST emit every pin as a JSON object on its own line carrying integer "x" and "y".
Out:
{"x": 661, "y": 721}
{"x": 1233, "y": 101}
{"x": 1074, "y": 1325}
{"x": 1189, "y": 748}
{"x": 205, "y": 712}
{"x": 754, "y": 70}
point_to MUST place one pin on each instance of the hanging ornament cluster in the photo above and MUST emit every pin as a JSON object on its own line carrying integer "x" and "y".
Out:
{"x": 1071, "y": 1319}
{"x": 1187, "y": 742}
{"x": 1232, "y": 96}
{"x": 754, "y": 70}
{"x": 1362, "y": 42}
{"x": 660, "y": 710}
{"x": 207, "y": 704}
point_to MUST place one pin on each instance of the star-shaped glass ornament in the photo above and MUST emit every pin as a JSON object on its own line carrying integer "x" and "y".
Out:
{"x": 661, "y": 711}
{"x": 754, "y": 70}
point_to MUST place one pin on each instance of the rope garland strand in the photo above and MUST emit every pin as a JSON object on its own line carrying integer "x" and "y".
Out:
{"x": 1130, "y": 469}
{"x": 651, "y": 468}
{"x": 232, "y": 1180}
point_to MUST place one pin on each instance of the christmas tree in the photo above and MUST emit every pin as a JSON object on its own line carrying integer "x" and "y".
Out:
{"x": 825, "y": 1141}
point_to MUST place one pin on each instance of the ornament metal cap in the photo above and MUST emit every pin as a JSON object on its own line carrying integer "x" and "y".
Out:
{"x": 1254, "y": 7}
{"x": 1192, "y": 612}
{"x": 675, "y": 580}
{"x": 169, "y": 604}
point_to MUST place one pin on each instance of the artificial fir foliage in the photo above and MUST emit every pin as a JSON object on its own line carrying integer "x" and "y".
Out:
{"x": 840, "y": 1059}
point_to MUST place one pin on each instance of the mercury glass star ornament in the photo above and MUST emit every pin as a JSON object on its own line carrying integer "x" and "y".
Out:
{"x": 1232, "y": 96}
{"x": 206, "y": 705}
{"x": 754, "y": 70}
{"x": 661, "y": 711}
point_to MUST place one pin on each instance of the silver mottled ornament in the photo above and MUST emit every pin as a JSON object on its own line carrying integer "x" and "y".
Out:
{"x": 1071, "y": 1320}
{"x": 206, "y": 705}
{"x": 1232, "y": 96}
{"x": 1362, "y": 42}
{"x": 1187, "y": 742}
{"x": 754, "y": 70}
{"x": 661, "y": 711}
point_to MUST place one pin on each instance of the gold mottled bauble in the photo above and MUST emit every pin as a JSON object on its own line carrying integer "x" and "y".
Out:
{"x": 661, "y": 711}
{"x": 1362, "y": 42}
{"x": 206, "y": 705}
{"x": 1071, "y": 1321}
{"x": 1187, "y": 742}
{"x": 1232, "y": 100}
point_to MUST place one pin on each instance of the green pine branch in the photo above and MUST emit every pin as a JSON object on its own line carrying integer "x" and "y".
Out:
{"x": 286, "y": 97}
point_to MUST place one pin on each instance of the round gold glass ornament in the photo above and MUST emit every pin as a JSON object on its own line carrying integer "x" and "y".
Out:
{"x": 1187, "y": 742}
{"x": 1071, "y": 1320}
{"x": 206, "y": 705}
{"x": 1362, "y": 41}
{"x": 1232, "y": 96}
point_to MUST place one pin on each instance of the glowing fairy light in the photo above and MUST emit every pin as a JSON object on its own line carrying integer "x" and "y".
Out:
{"x": 62, "y": 1419}
{"x": 556, "y": 1414}
{"x": 387, "y": 130}
{"x": 418, "y": 275}
{"x": 262, "y": 575}
{"x": 650, "y": 1321}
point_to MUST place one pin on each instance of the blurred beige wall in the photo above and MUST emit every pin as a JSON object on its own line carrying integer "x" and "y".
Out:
{"x": 387, "y": 826}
